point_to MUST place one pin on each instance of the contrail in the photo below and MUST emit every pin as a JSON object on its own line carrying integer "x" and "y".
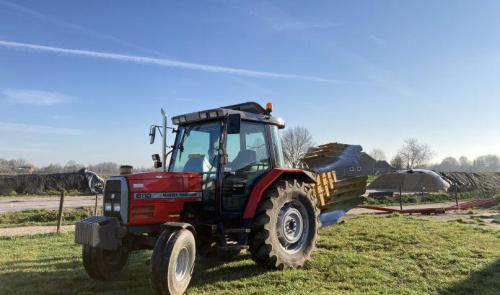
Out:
{"x": 71, "y": 26}
{"x": 169, "y": 63}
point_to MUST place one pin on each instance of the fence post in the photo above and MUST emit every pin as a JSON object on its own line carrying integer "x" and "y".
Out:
{"x": 401, "y": 198}
{"x": 95, "y": 207}
{"x": 59, "y": 218}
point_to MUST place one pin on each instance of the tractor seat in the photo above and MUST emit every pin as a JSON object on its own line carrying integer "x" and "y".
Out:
{"x": 243, "y": 159}
{"x": 197, "y": 163}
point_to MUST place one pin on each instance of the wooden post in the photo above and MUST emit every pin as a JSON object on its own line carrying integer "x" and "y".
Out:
{"x": 401, "y": 198}
{"x": 61, "y": 205}
{"x": 95, "y": 207}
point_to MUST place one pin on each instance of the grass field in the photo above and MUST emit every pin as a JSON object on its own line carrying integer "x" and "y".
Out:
{"x": 43, "y": 217}
{"x": 377, "y": 255}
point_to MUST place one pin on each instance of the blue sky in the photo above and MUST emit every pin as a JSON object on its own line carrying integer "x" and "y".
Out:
{"x": 84, "y": 80}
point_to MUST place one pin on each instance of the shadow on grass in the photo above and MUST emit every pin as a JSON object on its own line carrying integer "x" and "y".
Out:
{"x": 66, "y": 275}
{"x": 485, "y": 281}
{"x": 210, "y": 271}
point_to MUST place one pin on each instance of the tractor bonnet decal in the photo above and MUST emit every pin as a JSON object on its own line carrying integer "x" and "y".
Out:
{"x": 166, "y": 195}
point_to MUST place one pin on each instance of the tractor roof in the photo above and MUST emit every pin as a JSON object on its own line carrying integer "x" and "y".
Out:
{"x": 249, "y": 107}
{"x": 250, "y": 111}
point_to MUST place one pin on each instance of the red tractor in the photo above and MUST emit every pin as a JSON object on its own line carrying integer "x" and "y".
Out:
{"x": 226, "y": 188}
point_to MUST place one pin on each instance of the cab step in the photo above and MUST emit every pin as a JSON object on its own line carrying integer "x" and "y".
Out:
{"x": 238, "y": 230}
{"x": 233, "y": 247}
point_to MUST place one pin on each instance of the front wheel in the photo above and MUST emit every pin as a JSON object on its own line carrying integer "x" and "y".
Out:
{"x": 104, "y": 265}
{"x": 172, "y": 262}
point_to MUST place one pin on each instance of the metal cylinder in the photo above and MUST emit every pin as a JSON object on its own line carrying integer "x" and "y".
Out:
{"x": 126, "y": 169}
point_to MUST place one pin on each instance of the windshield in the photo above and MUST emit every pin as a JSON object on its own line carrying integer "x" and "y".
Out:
{"x": 196, "y": 148}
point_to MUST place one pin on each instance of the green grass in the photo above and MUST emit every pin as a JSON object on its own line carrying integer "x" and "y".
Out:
{"x": 43, "y": 217}
{"x": 366, "y": 255}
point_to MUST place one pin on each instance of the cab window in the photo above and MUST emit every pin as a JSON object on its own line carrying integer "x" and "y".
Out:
{"x": 248, "y": 151}
{"x": 196, "y": 148}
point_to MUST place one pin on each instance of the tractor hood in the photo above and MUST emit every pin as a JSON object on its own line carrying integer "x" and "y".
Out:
{"x": 159, "y": 197}
{"x": 165, "y": 185}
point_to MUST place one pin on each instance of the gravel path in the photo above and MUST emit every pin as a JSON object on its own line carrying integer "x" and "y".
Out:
{"x": 33, "y": 230}
{"x": 22, "y": 203}
{"x": 357, "y": 211}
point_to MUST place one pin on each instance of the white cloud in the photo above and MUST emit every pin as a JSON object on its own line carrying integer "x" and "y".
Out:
{"x": 39, "y": 129}
{"x": 33, "y": 97}
{"x": 169, "y": 63}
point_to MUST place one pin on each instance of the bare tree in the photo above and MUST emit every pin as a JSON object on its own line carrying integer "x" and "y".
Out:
{"x": 51, "y": 168}
{"x": 104, "y": 168}
{"x": 397, "y": 162}
{"x": 378, "y": 154}
{"x": 72, "y": 166}
{"x": 487, "y": 163}
{"x": 14, "y": 166}
{"x": 414, "y": 154}
{"x": 465, "y": 164}
{"x": 296, "y": 141}
{"x": 448, "y": 164}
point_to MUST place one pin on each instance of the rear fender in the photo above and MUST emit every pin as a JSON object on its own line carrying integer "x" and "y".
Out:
{"x": 271, "y": 177}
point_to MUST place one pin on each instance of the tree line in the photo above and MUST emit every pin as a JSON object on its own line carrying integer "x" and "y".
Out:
{"x": 21, "y": 166}
{"x": 296, "y": 141}
{"x": 414, "y": 154}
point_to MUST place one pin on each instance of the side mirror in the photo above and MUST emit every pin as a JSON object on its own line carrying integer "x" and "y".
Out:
{"x": 234, "y": 124}
{"x": 152, "y": 134}
{"x": 156, "y": 160}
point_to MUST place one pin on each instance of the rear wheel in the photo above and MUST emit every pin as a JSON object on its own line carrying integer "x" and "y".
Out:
{"x": 172, "y": 262}
{"x": 104, "y": 265}
{"x": 285, "y": 226}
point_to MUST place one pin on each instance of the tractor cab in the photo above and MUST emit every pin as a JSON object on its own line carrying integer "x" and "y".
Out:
{"x": 232, "y": 147}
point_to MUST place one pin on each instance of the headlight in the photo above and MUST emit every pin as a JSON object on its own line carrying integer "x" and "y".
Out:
{"x": 116, "y": 207}
{"x": 107, "y": 207}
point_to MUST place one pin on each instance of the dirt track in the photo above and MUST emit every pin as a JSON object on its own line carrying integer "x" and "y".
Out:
{"x": 358, "y": 211}
{"x": 22, "y": 203}
{"x": 33, "y": 230}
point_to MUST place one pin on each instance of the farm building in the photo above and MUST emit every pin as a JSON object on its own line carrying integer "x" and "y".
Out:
{"x": 366, "y": 166}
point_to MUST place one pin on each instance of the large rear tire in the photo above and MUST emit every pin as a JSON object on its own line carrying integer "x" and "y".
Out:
{"x": 104, "y": 265}
{"x": 172, "y": 262}
{"x": 285, "y": 227}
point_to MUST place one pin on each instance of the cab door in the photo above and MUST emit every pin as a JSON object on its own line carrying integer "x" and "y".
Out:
{"x": 248, "y": 158}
